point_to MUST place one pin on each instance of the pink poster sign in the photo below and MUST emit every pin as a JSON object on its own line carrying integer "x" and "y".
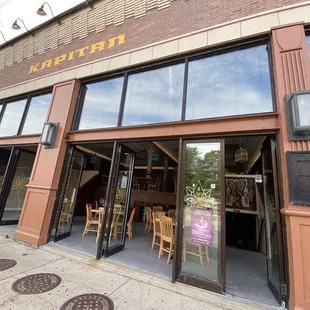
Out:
{"x": 201, "y": 226}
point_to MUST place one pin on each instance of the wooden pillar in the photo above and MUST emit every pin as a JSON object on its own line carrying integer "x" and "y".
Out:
{"x": 165, "y": 177}
{"x": 39, "y": 201}
{"x": 291, "y": 67}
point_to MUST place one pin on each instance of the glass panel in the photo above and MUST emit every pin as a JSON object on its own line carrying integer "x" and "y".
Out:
{"x": 304, "y": 109}
{"x": 15, "y": 200}
{"x": 202, "y": 215}
{"x": 36, "y": 114}
{"x": 72, "y": 187}
{"x": 154, "y": 96}
{"x": 273, "y": 259}
{"x": 233, "y": 83}
{"x": 308, "y": 44}
{"x": 122, "y": 178}
{"x": 101, "y": 104}
{"x": 12, "y": 117}
{"x": 4, "y": 159}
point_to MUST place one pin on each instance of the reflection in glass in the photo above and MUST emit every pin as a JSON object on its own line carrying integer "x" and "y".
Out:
{"x": 72, "y": 187}
{"x": 101, "y": 104}
{"x": 15, "y": 200}
{"x": 118, "y": 220}
{"x": 273, "y": 259}
{"x": 4, "y": 159}
{"x": 202, "y": 222}
{"x": 36, "y": 114}
{"x": 12, "y": 117}
{"x": 304, "y": 109}
{"x": 154, "y": 96}
{"x": 308, "y": 44}
{"x": 233, "y": 83}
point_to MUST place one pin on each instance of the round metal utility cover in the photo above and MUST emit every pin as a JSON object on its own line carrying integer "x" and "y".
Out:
{"x": 36, "y": 283}
{"x": 7, "y": 264}
{"x": 88, "y": 302}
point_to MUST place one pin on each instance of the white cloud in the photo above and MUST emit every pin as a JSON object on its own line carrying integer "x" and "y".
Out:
{"x": 26, "y": 10}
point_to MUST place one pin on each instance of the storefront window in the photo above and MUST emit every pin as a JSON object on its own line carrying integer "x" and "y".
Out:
{"x": 4, "y": 159}
{"x": 154, "y": 96}
{"x": 12, "y": 117}
{"x": 233, "y": 83}
{"x": 36, "y": 114}
{"x": 101, "y": 104}
{"x": 308, "y": 44}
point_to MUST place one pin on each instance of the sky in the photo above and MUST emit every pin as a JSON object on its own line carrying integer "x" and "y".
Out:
{"x": 26, "y": 10}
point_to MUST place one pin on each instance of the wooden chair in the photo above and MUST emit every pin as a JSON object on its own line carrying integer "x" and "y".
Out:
{"x": 136, "y": 185}
{"x": 129, "y": 224}
{"x": 66, "y": 213}
{"x": 117, "y": 220}
{"x": 157, "y": 209}
{"x": 152, "y": 185}
{"x": 198, "y": 251}
{"x": 156, "y": 227}
{"x": 149, "y": 220}
{"x": 166, "y": 237}
{"x": 101, "y": 212}
{"x": 92, "y": 223}
{"x": 171, "y": 213}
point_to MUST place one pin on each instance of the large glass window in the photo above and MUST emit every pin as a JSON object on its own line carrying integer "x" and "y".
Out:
{"x": 12, "y": 117}
{"x": 101, "y": 104}
{"x": 36, "y": 114}
{"x": 232, "y": 83}
{"x": 308, "y": 44}
{"x": 154, "y": 96}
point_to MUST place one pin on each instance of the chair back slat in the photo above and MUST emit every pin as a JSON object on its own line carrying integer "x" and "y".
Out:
{"x": 157, "y": 208}
{"x": 88, "y": 211}
{"x": 166, "y": 227}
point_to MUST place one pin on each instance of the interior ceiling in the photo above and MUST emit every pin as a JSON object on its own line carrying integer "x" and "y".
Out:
{"x": 171, "y": 148}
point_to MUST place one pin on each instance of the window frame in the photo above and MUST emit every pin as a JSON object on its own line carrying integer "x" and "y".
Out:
{"x": 28, "y": 99}
{"x": 224, "y": 48}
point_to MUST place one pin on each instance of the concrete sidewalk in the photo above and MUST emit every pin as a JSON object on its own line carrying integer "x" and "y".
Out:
{"x": 128, "y": 288}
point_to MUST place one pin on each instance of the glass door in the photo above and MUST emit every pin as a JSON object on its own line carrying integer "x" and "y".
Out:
{"x": 275, "y": 261}
{"x": 69, "y": 194}
{"x": 200, "y": 240}
{"x": 17, "y": 176}
{"x": 117, "y": 203}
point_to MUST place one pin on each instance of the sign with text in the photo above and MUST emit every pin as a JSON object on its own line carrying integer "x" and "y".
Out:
{"x": 201, "y": 226}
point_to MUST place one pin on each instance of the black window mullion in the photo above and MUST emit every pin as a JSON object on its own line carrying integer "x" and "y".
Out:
{"x": 79, "y": 107}
{"x": 22, "y": 123}
{"x": 184, "y": 90}
{"x": 123, "y": 99}
{"x": 2, "y": 111}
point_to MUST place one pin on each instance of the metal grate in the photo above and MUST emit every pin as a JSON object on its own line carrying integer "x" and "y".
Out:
{"x": 36, "y": 283}
{"x": 89, "y": 302}
{"x": 7, "y": 264}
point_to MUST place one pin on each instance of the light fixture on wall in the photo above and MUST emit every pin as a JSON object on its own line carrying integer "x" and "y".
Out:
{"x": 3, "y": 36}
{"x": 41, "y": 11}
{"x": 15, "y": 25}
{"x": 298, "y": 115}
{"x": 48, "y": 135}
{"x": 241, "y": 155}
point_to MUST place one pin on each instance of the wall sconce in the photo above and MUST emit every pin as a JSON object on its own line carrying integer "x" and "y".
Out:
{"x": 15, "y": 25}
{"x": 48, "y": 135}
{"x": 41, "y": 11}
{"x": 298, "y": 115}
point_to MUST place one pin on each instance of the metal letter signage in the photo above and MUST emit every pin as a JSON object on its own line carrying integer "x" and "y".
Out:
{"x": 79, "y": 53}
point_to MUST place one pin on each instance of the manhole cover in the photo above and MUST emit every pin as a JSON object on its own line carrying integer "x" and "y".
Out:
{"x": 7, "y": 264}
{"x": 89, "y": 302}
{"x": 36, "y": 283}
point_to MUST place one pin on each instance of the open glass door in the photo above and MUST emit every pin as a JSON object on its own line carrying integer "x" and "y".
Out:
{"x": 275, "y": 262}
{"x": 69, "y": 193}
{"x": 117, "y": 202}
{"x": 201, "y": 215}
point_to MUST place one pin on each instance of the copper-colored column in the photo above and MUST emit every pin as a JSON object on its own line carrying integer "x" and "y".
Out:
{"x": 292, "y": 72}
{"x": 41, "y": 191}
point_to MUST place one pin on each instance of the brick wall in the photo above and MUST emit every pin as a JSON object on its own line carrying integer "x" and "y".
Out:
{"x": 183, "y": 16}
